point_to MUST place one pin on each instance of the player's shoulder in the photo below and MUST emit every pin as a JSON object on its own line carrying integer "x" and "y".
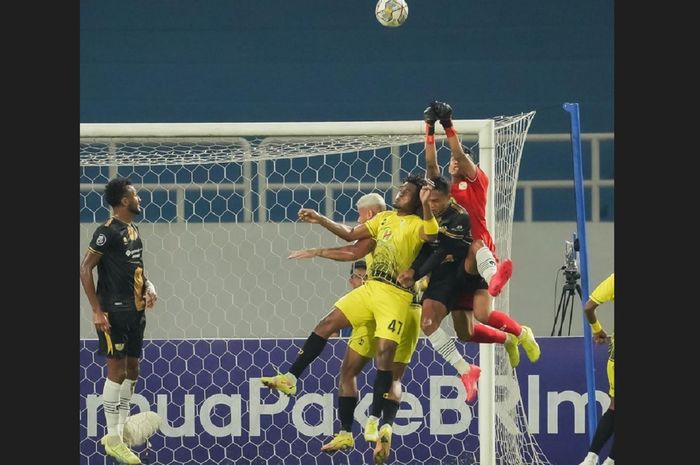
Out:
{"x": 456, "y": 209}
{"x": 107, "y": 227}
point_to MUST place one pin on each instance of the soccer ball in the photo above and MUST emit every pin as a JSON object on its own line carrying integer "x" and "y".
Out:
{"x": 391, "y": 13}
{"x": 140, "y": 427}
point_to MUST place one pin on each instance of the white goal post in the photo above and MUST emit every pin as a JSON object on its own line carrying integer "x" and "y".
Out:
{"x": 164, "y": 151}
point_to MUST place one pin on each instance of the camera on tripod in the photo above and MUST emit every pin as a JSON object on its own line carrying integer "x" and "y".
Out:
{"x": 571, "y": 286}
{"x": 570, "y": 249}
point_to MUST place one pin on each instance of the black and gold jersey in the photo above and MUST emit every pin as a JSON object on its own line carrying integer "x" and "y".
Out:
{"x": 120, "y": 278}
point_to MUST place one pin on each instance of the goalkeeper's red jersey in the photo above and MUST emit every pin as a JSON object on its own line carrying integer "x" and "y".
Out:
{"x": 471, "y": 194}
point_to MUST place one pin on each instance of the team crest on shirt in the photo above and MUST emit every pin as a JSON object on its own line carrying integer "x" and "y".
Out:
{"x": 463, "y": 186}
{"x": 101, "y": 239}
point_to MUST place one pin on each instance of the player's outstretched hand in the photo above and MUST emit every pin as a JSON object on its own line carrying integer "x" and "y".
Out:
{"x": 303, "y": 253}
{"x": 442, "y": 110}
{"x": 309, "y": 215}
{"x": 429, "y": 115}
{"x": 405, "y": 278}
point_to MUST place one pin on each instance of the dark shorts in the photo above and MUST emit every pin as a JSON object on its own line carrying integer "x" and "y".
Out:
{"x": 125, "y": 338}
{"x": 467, "y": 284}
{"x": 443, "y": 284}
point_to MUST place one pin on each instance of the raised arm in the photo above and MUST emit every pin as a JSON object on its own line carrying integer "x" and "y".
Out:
{"x": 429, "y": 230}
{"x": 345, "y": 253}
{"x": 432, "y": 169}
{"x": 309, "y": 215}
{"x": 466, "y": 165}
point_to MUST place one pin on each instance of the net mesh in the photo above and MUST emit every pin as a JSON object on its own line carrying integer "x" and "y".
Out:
{"x": 218, "y": 224}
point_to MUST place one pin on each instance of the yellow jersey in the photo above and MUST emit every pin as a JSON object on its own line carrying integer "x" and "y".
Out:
{"x": 605, "y": 292}
{"x": 398, "y": 243}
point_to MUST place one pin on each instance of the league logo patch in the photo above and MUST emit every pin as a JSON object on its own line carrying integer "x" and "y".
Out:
{"x": 101, "y": 239}
{"x": 463, "y": 186}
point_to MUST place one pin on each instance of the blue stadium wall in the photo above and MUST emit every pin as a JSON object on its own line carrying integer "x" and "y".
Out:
{"x": 216, "y": 60}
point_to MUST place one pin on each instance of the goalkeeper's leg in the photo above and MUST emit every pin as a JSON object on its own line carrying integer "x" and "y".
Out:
{"x": 468, "y": 331}
{"x": 503, "y": 322}
{"x": 481, "y": 260}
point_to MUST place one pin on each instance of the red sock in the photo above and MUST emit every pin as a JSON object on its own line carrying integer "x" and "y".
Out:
{"x": 487, "y": 334}
{"x": 503, "y": 322}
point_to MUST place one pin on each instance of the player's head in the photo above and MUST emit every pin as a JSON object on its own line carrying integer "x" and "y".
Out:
{"x": 358, "y": 274}
{"x": 407, "y": 200}
{"x": 369, "y": 205}
{"x": 453, "y": 169}
{"x": 121, "y": 195}
{"x": 439, "y": 198}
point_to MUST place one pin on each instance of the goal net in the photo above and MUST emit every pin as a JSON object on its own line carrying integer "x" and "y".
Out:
{"x": 220, "y": 204}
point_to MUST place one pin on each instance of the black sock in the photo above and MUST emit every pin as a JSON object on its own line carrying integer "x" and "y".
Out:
{"x": 382, "y": 383}
{"x": 346, "y": 412}
{"x": 312, "y": 348}
{"x": 389, "y": 412}
{"x": 612, "y": 450}
{"x": 605, "y": 429}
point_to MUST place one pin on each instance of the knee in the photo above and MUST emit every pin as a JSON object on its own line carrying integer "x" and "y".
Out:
{"x": 428, "y": 326}
{"x": 431, "y": 317}
{"x": 325, "y": 327}
{"x": 132, "y": 373}
{"x": 477, "y": 244}
{"x": 384, "y": 357}
{"x": 118, "y": 376}
{"x": 132, "y": 368}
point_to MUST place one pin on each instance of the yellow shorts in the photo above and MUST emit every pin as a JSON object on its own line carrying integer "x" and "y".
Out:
{"x": 362, "y": 338}
{"x": 611, "y": 377}
{"x": 376, "y": 302}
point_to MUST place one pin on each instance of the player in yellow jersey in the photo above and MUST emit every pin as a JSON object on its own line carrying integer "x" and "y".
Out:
{"x": 605, "y": 292}
{"x": 399, "y": 235}
{"x": 361, "y": 343}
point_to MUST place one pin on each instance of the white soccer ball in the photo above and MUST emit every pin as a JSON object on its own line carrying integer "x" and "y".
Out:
{"x": 391, "y": 13}
{"x": 140, "y": 427}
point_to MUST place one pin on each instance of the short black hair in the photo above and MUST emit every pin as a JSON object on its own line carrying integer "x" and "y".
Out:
{"x": 416, "y": 180}
{"x": 358, "y": 264}
{"x": 441, "y": 184}
{"x": 115, "y": 190}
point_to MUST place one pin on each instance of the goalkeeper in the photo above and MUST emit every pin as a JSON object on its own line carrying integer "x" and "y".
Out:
{"x": 469, "y": 188}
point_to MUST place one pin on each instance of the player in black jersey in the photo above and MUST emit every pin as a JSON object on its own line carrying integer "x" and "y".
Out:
{"x": 443, "y": 259}
{"x": 118, "y": 304}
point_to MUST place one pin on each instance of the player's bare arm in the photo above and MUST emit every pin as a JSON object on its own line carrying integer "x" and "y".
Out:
{"x": 465, "y": 164}
{"x": 90, "y": 261}
{"x": 346, "y": 253}
{"x": 309, "y": 215}
{"x": 599, "y": 334}
{"x": 427, "y": 233}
